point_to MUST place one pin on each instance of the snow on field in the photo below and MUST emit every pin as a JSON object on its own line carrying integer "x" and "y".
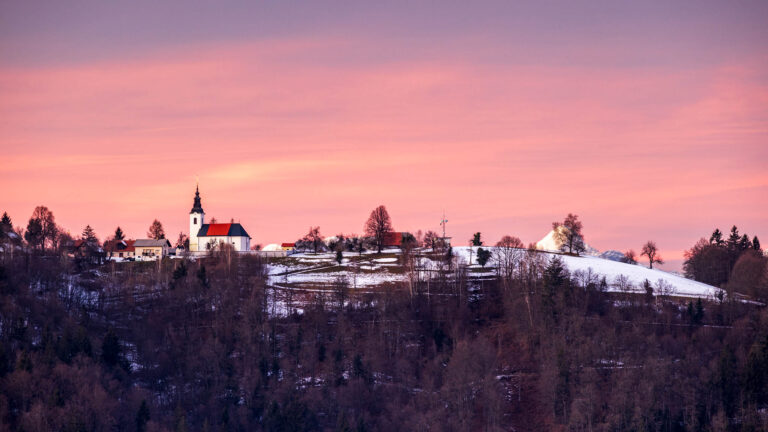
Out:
{"x": 386, "y": 260}
{"x": 354, "y": 280}
{"x": 635, "y": 274}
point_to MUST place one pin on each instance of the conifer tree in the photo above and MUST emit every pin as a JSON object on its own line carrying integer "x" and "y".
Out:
{"x": 89, "y": 235}
{"x": 142, "y": 417}
{"x": 476, "y": 239}
{"x": 6, "y": 225}
{"x": 756, "y": 244}
{"x": 716, "y": 238}
{"x": 733, "y": 239}
{"x": 119, "y": 234}
{"x": 483, "y": 255}
{"x": 110, "y": 348}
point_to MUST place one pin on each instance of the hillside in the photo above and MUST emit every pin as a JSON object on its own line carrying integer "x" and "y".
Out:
{"x": 368, "y": 270}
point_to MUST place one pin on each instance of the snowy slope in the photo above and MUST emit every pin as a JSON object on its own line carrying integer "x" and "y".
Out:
{"x": 635, "y": 274}
{"x": 549, "y": 243}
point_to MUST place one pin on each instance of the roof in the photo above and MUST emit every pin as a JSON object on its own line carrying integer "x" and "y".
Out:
{"x": 151, "y": 243}
{"x": 288, "y": 245}
{"x": 114, "y": 245}
{"x": 393, "y": 239}
{"x": 222, "y": 230}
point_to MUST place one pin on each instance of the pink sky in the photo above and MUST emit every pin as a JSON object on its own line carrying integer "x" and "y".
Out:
{"x": 645, "y": 125}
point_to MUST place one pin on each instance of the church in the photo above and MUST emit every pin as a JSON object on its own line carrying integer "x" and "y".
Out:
{"x": 204, "y": 237}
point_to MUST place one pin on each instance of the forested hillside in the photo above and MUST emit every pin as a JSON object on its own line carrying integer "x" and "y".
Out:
{"x": 196, "y": 345}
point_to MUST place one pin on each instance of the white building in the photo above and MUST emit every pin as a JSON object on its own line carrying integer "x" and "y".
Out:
{"x": 203, "y": 236}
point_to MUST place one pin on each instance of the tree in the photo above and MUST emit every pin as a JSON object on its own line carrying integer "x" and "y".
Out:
{"x": 652, "y": 252}
{"x": 756, "y": 244}
{"x": 716, "y": 238}
{"x": 378, "y": 225}
{"x": 629, "y": 257}
{"x": 312, "y": 239}
{"x": 476, "y": 239}
{"x": 482, "y": 256}
{"x": 119, "y": 234}
{"x": 706, "y": 262}
{"x": 47, "y": 224}
{"x": 89, "y": 235}
{"x": 110, "y": 348}
{"x": 34, "y": 234}
{"x": 431, "y": 239}
{"x": 182, "y": 241}
{"x": 6, "y": 225}
{"x": 156, "y": 230}
{"x": 339, "y": 256}
{"x": 568, "y": 234}
{"x": 142, "y": 417}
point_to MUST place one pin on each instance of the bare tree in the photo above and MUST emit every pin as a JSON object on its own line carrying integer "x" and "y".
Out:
{"x": 378, "y": 225}
{"x": 313, "y": 238}
{"x": 47, "y": 225}
{"x": 568, "y": 234}
{"x": 156, "y": 230}
{"x": 182, "y": 241}
{"x": 629, "y": 257}
{"x": 652, "y": 252}
{"x": 508, "y": 253}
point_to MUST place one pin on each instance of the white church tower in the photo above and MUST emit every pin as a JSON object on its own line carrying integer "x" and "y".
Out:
{"x": 196, "y": 220}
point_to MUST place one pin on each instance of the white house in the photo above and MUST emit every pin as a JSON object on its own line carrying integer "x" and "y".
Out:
{"x": 203, "y": 236}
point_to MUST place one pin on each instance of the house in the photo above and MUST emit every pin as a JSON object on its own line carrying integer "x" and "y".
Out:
{"x": 151, "y": 249}
{"x": 120, "y": 248}
{"x": 288, "y": 246}
{"x": 203, "y": 236}
{"x": 393, "y": 239}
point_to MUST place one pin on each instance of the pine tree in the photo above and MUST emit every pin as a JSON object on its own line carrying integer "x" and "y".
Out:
{"x": 142, "y": 417}
{"x": 119, "y": 234}
{"x": 476, "y": 240}
{"x": 483, "y": 255}
{"x": 89, "y": 235}
{"x": 733, "y": 239}
{"x": 6, "y": 225}
{"x": 110, "y": 348}
{"x": 756, "y": 244}
{"x": 716, "y": 238}
{"x": 744, "y": 243}
{"x": 34, "y": 234}
{"x": 339, "y": 256}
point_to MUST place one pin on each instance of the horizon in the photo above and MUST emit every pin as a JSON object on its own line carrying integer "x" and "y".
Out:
{"x": 649, "y": 121}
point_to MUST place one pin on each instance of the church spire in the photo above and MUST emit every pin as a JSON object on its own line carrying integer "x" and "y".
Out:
{"x": 197, "y": 207}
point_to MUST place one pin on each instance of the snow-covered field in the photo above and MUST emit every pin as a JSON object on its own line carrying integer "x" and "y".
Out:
{"x": 635, "y": 274}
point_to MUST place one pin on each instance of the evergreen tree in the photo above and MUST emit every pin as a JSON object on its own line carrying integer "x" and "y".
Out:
{"x": 110, "y": 348}
{"x": 6, "y": 225}
{"x": 756, "y": 244}
{"x": 483, "y": 255}
{"x": 119, "y": 234}
{"x": 476, "y": 240}
{"x": 716, "y": 238}
{"x": 34, "y": 234}
{"x": 744, "y": 243}
{"x": 339, "y": 256}
{"x": 142, "y": 417}
{"x": 733, "y": 239}
{"x": 89, "y": 235}
{"x": 202, "y": 276}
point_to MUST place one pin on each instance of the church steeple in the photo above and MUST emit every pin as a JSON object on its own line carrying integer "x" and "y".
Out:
{"x": 197, "y": 207}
